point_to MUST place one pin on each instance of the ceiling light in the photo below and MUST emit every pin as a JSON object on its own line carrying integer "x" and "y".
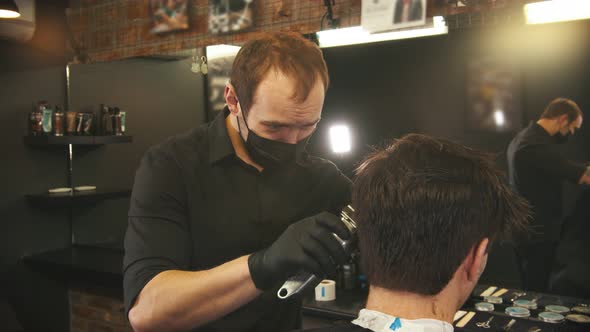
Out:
{"x": 556, "y": 11}
{"x": 356, "y": 35}
{"x": 221, "y": 51}
{"x": 9, "y": 9}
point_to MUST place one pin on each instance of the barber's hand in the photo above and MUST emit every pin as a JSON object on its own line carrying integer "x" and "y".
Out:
{"x": 307, "y": 245}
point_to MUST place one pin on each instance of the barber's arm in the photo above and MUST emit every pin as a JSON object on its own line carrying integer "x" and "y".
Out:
{"x": 177, "y": 300}
{"x": 160, "y": 291}
{"x": 585, "y": 179}
{"x": 553, "y": 163}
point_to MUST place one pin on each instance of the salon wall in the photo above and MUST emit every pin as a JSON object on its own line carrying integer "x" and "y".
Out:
{"x": 161, "y": 97}
{"x": 115, "y": 29}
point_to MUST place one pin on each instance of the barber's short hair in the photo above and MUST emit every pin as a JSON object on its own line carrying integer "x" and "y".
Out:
{"x": 421, "y": 204}
{"x": 288, "y": 53}
{"x": 562, "y": 106}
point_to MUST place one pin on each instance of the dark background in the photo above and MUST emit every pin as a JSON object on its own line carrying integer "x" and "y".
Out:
{"x": 381, "y": 90}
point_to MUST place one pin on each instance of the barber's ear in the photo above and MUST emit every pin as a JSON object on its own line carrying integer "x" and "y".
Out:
{"x": 478, "y": 260}
{"x": 564, "y": 119}
{"x": 231, "y": 99}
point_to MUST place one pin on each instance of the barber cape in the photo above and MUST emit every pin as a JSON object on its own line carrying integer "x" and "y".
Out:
{"x": 380, "y": 322}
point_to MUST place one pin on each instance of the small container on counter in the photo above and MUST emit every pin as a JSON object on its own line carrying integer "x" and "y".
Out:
{"x": 348, "y": 276}
{"x": 528, "y": 304}
{"x": 484, "y": 306}
{"x": 517, "y": 312}
{"x": 551, "y": 317}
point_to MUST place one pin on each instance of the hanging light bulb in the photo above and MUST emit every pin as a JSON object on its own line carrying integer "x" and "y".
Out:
{"x": 9, "y": 9}
{"x": 204, "y": 66}
{"x": 195, "y": 66}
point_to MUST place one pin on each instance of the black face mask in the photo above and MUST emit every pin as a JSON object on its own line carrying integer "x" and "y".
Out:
{"x": 562, "y": 139}
{"x": 269, "y": 154}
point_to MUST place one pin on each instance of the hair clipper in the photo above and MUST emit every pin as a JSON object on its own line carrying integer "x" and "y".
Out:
{"x": 302, "y": 281}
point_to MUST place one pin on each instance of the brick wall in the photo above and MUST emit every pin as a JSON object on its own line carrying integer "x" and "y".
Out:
{"x": 115, "y": 29}
{"x": 93, "y": 311}
{"x": 112, "y": 29}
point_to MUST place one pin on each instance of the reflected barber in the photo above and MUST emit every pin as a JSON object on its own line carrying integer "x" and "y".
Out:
{"x": 537, "y": 169}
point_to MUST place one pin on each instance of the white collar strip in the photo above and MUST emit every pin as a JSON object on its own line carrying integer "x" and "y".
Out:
{"x": 379, "y": 322}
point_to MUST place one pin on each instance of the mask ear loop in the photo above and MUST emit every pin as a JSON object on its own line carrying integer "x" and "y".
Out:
{"x": 243, "y": 116}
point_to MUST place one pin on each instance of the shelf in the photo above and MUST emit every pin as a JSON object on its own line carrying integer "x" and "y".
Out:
{"x": 77, "y": 140}
{"x": 92, "y": 263}
{"x": 78, "y": 197}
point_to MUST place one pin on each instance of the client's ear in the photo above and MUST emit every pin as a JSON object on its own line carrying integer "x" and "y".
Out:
{"x": 476, "y": 263}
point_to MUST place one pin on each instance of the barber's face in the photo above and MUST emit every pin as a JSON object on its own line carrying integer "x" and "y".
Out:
{"x": 571, "y": 127}
{"x": 275, "y": 115}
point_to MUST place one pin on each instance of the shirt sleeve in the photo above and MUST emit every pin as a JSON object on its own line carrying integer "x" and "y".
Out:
{"x": 549, "y": 160}
{"x": 157, "y": 237}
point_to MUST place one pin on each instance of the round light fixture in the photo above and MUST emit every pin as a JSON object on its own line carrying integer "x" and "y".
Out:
{"x": 9, "y": 9}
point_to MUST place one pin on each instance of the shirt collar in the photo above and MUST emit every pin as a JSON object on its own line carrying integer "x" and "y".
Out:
{"x": 380, "y": 322}
{"x": 220, "y": 145}
{"x": 536, "y": 134}
{"x": 539, "y": 129}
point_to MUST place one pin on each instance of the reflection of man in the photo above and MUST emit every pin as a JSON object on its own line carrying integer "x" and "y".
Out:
{"x": 407, "y": 10}
{"x": 571, "y": 270}
{"x": 537, "y": 170}
{"x": 427, "y": 212}
{"x": 222, "y": 215}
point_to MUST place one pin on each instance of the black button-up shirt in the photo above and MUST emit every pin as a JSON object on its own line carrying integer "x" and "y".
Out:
{"x": 196, "y": 205}
{"x": 536, "y": 170}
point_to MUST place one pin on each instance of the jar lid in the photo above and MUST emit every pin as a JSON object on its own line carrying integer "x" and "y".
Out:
{"x": 525, "y": 304}
{"x": 577, "y": 318}
{"x": 484, "y": 306}
{"x": 551, "y": 317}
{"x": 493, "y": 299}
{"x": 557, "y": 309}
{"x": 518, "y": 312}
{"x": 582, "y": 309}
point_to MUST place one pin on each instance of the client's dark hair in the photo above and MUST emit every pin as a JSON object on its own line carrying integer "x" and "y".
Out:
{"x": 421, "y": 204}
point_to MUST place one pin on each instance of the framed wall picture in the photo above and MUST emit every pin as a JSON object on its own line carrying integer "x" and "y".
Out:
{"x": 227, "y": 16}
{"x": 169, "y": 15}
{"x": 493, "y": 95}
{"x": 387, "y": 15}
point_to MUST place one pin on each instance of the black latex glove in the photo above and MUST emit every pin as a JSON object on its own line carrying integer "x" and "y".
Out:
{"x": 307, "y": 245}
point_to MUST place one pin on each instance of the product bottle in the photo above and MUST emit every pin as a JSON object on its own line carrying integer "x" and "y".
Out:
{"x": 58, "y": 122}
{"x": 47, "y": 120}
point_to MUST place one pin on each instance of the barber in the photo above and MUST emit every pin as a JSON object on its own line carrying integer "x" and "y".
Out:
{"x": 222, "y": 215}
{"x": 537, "y": 169}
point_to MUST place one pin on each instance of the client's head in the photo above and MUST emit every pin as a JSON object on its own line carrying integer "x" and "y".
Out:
{"x": 428, "y": 211}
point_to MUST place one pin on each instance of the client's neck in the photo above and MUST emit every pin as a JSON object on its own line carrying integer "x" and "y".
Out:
{"x": 411, "y": 305}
